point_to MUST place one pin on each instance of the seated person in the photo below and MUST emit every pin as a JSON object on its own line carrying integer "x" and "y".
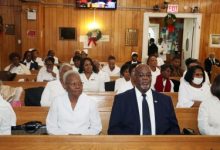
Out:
{"x": 189, "y": 62}
{"x": 49, "y": 72}
{"x": 54, "y": 88}
{"x": 111, "y": 68}
{"x": 73, "y": 112}
{"x": 125, "y": 77}
{"x": 76, "y": 53}
{"x": 163, "y": 83}
{"x": 16, "y": 66}
{"x": 162, "y": 49}
{"x": 193, "y": 91}
{"x": 7, "y": 117}
{"x": 130, "y": 84}
{"x": 155, "y": 71}
{"x": 176, "y": 64}
{"x": 51, "y": 53}
{"x": 76, "y": 60}
{"x": 209, "y": 111}
{"x": 28, "y": 61}
{"x": 134, "y": 59}
{"x": 11, "y": 94}
{"x": 36, "y": 58}
{"x": 90, "y": 79}
{"x": 103, "y": 75}
{"x": 209, "y": 62}
{"x": 142, "y": 111}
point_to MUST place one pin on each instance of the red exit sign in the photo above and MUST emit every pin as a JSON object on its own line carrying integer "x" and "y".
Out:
{"x": 172, "y": 8}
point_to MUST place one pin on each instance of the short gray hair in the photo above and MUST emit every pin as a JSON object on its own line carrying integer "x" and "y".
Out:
{"x": 63, "y": 65}
{"x": 68, "y": 73}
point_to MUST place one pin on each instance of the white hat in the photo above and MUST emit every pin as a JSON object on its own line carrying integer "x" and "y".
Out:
{"x": 85, "y": 50}
{"x": 132, "y": 53}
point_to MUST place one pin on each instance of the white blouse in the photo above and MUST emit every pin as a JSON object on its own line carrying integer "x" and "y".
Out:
{"x": 44, "y": 75}
{"x": 119, "y": 83}
{"x": 21, "y": 69}
{"x": 52, "y": 90}
{"x": 127, "y": 86}
{"x": 63, "y": 120}
{"x": 188, "y": 94}
{"x": 208, "y": 116}
{"x": 7, "y": 117}
{"x": 115, "y": 72}
{"x": 93, "y": 84}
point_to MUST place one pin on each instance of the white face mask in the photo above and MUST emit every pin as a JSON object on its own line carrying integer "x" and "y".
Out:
{"x": 197, "y": 81}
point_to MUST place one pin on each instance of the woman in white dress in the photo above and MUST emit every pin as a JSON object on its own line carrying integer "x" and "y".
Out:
{"x": 88, "y": 74}
{"x": 209, "y": 111}
{"x": 193, "y": 91}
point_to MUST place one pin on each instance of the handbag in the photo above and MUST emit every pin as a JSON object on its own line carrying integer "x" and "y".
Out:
{"x": 32, "y": 127}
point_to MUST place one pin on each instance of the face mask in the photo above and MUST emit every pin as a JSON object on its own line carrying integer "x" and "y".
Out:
{"x": 197, "y": 81}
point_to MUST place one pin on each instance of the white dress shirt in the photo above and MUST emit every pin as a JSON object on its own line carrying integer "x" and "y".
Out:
{"x": 52, "y": 90}
{"x": 56, "y": 60}
{"x": 154, "y": 77}
{"x": 7, "y": 117}
{"x": 63, "y": 120}
{"x": 21, "y": 69}
{"x": 44, "y": 75}
{"x": 150, "y": 102}
{"x": 93, "y": 84}
{"x": 188, "y": 94}
{"x": 104, "y": 76}
{"x": 160, "y": 61}
{"x": 208, "y": 117}
{"x": 115, "y": 72}
{"x": 120, "y": 82}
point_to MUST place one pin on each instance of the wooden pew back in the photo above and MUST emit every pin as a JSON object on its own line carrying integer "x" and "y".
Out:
{"x": 25, "y": 77}
{"x": 187, "y": 118}
{"x": 102, "y": 142}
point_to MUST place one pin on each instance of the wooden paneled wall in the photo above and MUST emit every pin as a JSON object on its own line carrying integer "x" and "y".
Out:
{"x": 53, "y": 14}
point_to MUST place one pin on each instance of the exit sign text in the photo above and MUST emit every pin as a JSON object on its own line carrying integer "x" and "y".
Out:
{"x": 172, "y": 8}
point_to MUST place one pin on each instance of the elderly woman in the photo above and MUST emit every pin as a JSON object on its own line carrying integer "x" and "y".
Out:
{"x": 90, "y": 79}
{"x": 7, "y": 117}
{"x": 73, "y": 112}
{"x": 193, "y": 91}
{"x": 209, "y": 111}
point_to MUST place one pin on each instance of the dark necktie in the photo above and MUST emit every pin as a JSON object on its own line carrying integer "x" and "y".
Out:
{"x": 146, "y": 117}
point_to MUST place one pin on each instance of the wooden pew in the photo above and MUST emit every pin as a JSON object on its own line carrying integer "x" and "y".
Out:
{"x": 174, "y": 97}
{"x": 187, "y": 118}
{"x": 113, "y": 78}
{"x": 25, "y": 85}
{"x": 175, "y": 78}
{"x": 29, "y": 77}
{"x": 102, "y": 142}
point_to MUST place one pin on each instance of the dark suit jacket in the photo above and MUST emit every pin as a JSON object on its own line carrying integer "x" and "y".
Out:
{"x": 130, "y": 62}
{"x": 125, "y": 115}
{"x": 34, "y": 65}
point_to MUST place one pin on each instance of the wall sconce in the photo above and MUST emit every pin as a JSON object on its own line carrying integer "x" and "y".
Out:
{"x": 93, "y": 25}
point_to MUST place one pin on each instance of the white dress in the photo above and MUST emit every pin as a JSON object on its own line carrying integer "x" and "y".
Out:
{"x": 119, "y": 83}
{"x": 44, "y": 75}
{"x": 104, "y": 76}
{"x": 115, "y": 72}
{"x": 21, "y": 69}
{"x": 208, "y": 117}
{"x": 7, "y": 117}
{"x": 52, "y": 90}
{"x": 93, "y": 84}
{"x": 188, "y": 94}
{"x": 63, "y": 120}
{"x": 127, "y": 86}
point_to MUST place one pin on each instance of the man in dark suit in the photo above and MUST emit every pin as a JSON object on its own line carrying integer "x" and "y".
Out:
{"x": 209, "y": 62}
{"x": 142, "y": 111}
